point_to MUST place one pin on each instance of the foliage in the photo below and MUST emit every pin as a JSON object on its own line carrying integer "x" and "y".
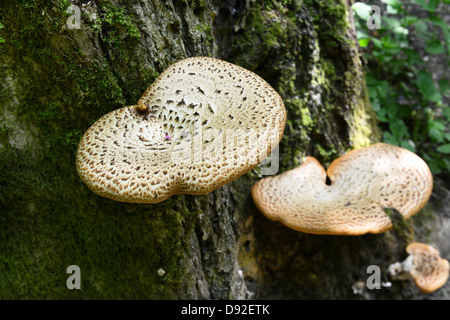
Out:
{"x": 1, "y": 39}
{"x": 404, "y": 91}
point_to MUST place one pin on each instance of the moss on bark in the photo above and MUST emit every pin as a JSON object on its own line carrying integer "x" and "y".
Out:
{"x": 49, "y": 219}
{"x": 58, "y": 81}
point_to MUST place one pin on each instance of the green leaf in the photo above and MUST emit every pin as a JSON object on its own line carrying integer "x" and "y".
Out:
{"x": 361, "y": 35}
{"x": 437, "y": 125}
{"x": 436, "y": 135}
{"x": 377, "y": 43}
{"x": 389, "y": 138}
{"x": 433, "y": 4}
{"x": 413, "y": 56}
{"x": 429, "y": 6}
{"x": 404, "y": 110}
{"x": 427, "y": 87}
{"x": 434, "y": 167}
{"x": 444, "y": 86}
{"x": 362, "y": 10}
{"x": 444, "y": 27}
{"x": 371, "y": 81}
{"x": 407, "y": 144}
{"x": 375, "y": 105}
{"x": 437, "y": 21}
{"x": 373, "y": 93}
{"x": 395, "y": 3}
{"x": 436, "y": 131}
{"x": 1, "y": 39}
{"x": 398, "y": 129}
{"x": 420, "y": 26}
{"x": 381, "y": 114}
{"x": 391, "y": 10}
{"x": 363, "y": 42}
{"x": 393, "y": 6}
{"x": 446, "y": 113}
{"x": 445, "y": 148}
{"x": 391, "y": 23}
{"x": 434, "y": 46}
{"x": 382, "y": 88}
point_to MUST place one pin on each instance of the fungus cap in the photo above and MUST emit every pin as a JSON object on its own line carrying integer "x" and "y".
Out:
{"x": 430, "y": 271}
{"x": 363, "y": 182}
{"x": 203, "y": 123}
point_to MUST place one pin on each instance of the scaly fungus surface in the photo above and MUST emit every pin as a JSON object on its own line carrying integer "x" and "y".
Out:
{"x": 363, "y": 182}
{"x": 203, "y": 123}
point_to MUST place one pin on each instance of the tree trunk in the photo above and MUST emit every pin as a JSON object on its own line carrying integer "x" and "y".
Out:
{"x": 59, "y": 78}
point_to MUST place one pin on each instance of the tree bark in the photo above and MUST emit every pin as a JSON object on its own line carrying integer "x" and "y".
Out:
{"x": 58, "y": 80}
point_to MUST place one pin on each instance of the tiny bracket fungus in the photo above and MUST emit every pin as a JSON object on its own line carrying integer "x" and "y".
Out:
{"x": 363, "y": 182}
{"x": 203, "y": 123}
{"x": 424, "y": 265}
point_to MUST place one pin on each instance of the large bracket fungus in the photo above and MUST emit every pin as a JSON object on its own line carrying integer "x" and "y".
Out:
{"x": 363, "y": 182}
{"x": 203, "y": 123}
{"x": 424, "y": 265}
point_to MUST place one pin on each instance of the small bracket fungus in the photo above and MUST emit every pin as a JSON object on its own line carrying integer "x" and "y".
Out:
{"x": 363, "y": 182}
{"x": 203, "y": 123}
{"x": 424, "y": 265}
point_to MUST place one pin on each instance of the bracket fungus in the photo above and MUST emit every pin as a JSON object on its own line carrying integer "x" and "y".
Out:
{"x": 203, "y": 123}
{"x": 363, "y": 182}
{"x": 424, "y": 265}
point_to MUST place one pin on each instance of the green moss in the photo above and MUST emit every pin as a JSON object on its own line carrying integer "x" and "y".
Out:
{"x": 329, "y": 70}
{"x": 119, "y": 247}
{"x": 116, "y": 28}
{"x": 148, "y": 74}
{"x": 49, "y": 219}
{"x": 206, "y": 29}
{"x": 120, "y": 36}
{"x": 266, "y": 32}
{"x": 330, "y": 21}
{"x": 362, "y": 131}
{"x": 114, "y": 16}
{"x": 317, "y": 98}
{"x": 197, "y": 4}
{"x": 301, "y": 112}
{"x": 328, "y": 153}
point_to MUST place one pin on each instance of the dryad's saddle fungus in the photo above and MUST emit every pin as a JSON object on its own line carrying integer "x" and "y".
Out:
{"x": 424, "y": 265}
{"x": 363, "y": 182}
{"x": 203, "y": 123}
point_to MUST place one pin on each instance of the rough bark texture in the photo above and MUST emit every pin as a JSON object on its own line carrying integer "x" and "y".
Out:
{"x": 57, "y": 81}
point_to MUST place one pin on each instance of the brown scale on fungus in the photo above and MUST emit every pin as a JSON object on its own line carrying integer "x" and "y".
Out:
{"x": 363, "y": 183}
{"x": 169, "y": 139}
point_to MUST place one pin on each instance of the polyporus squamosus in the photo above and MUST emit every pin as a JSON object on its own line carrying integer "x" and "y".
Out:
{"x": 363, "y": 182}
{"x": 203, "y": 123}
{"x": 424, "y": 265}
